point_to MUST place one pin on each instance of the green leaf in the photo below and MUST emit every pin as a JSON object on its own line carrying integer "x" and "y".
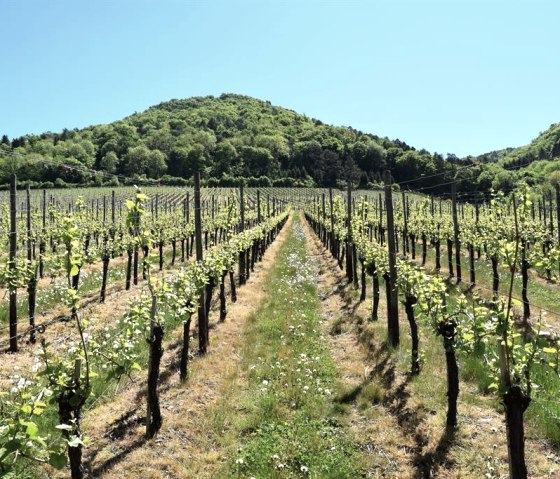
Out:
{"x": 26, "y": 409}
{"x": 75, "y": 270}
{"x": 31, "y": 430}
{"x": 57, "y": 460}
{"x": 549, "y": 350}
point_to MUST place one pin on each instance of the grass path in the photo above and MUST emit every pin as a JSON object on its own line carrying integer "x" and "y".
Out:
{"x": 279, "y": 419}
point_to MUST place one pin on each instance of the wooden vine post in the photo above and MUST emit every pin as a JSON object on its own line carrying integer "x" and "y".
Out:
{"x": 557, "y": 187}
{"x": 391, "y": 278}
{"x": 514, "y": 399}
{"x": 268, "y": 205}
{"x": 324, "y": 216}
{"x": 32, "y": 282}
{"x": 381, "y": 232}
{"x": 349, "y": 261}
{"x": 202, "y": 320}
{"x": 258, "y": 206}
{"x": 406, "y": 247}
{"x": 456, "y": 231}
{"x": 332, "y": 222}
{"x": 12, "y": 265}
{"x": 242, "y": 260}
{"x": 42, "y": 242}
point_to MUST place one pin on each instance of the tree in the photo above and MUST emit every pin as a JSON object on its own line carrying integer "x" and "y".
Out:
{"x": 276, "y": 144}
{"x": 178, "y": 159}
{"x": 136, "y": 160}
{"x": 364, "y": 181}
{"x": 225, "y": 159}
{"x": 5, "y": 140}
{"x": 160, "y": 139}
{"x": 206, "y": 139}
{"x": 351, "y": 172}
{"x": 156, "y": 165}
{"x": 259, "y": 161}
{"x": 368, "y": 155}
{"x": 329, "y": 168}
{"x": 196, "y": 161}
{"x": 78, "y": 152}
{"x": 504, "y": 181}
{"x": 307, "y": 154}
{"x": 109, "y": 162}
{"x": 140, "y": 160}
{"x": 18, "y": 142}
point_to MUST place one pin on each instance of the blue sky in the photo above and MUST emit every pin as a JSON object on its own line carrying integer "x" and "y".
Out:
{"x": 452, "y": 76}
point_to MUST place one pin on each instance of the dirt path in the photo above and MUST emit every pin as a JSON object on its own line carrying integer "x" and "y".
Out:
{"x": 183, "y": 448}
{"x": 398, "y": 423}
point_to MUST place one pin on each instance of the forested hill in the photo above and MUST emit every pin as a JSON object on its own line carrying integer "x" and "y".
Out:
{"x": 229, "y": 137}
{"x": 537, "y": 161}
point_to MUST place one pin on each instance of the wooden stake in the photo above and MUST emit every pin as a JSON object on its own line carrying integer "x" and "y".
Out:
{"x": 392, "y": 308}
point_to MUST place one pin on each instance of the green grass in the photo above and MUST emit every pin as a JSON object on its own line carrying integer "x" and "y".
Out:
{"x": 285, "y": 424}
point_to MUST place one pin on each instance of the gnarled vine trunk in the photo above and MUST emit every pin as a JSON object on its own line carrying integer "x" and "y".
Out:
{"x": 409, "y": 303}
{"x": 153, "y": 415}
{"x": 448, "y": 332}
{"x": 223, "y": 305}
{"x": 516, "y": 402}
{"x": 450, "y": 256}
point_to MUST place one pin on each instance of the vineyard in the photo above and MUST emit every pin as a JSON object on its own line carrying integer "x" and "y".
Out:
{"x": 357, "y": 333}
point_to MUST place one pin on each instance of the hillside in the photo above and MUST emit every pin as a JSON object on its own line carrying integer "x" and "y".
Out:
{"x": 537, "y": 162}
{"x": 229, "y": 136}
{"x": 232, "y": 137}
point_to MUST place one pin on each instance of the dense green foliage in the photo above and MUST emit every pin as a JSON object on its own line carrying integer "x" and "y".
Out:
{"x": 534, "y": 163}
{"x": 233, "y": 137}
{"x": 228, "y": 137}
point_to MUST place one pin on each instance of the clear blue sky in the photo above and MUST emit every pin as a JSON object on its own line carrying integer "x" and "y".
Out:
{"x": 449, "y": 76}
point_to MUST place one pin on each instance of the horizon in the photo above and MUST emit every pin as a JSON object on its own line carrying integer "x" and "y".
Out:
{"x": 488, "y": 86}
